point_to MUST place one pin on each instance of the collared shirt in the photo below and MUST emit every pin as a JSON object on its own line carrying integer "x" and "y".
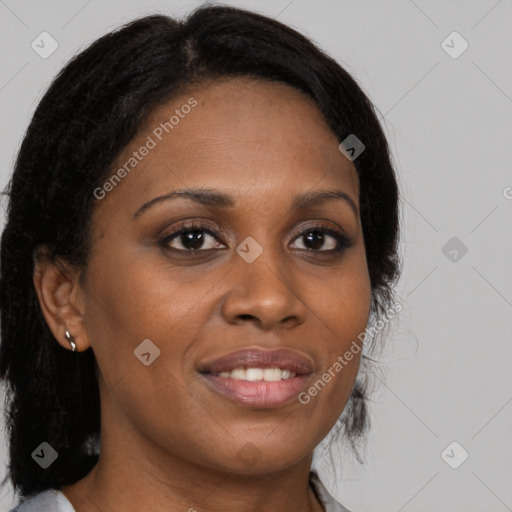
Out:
{"x": 53, "y": 500}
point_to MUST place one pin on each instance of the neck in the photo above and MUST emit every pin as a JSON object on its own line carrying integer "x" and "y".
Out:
{"x": 145, "y": 478}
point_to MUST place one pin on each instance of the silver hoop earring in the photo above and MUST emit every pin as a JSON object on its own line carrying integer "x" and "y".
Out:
{"x": 71, "y": 340}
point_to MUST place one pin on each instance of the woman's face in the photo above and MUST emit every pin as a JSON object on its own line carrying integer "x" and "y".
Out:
{"x": 267, "y": 279}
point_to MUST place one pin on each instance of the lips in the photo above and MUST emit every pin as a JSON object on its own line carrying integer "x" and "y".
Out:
{"x": 282, "y": 358}
{"x": 257, "y": 378}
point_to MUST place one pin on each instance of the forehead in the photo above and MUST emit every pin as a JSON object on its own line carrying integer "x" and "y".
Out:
{"x": 240, "y": 134}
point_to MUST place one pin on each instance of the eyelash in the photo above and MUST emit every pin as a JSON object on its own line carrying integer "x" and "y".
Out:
{"x": 343, "y": 242}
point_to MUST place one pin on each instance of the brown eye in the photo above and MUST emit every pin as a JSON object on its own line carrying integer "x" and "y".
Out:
{"x": 324, "y": 239}
{"x": 192, "y": 237}
{"x": 200, "y": 237}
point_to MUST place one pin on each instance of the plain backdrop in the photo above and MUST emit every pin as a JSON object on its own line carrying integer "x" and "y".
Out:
{"x": 446, "y": 110}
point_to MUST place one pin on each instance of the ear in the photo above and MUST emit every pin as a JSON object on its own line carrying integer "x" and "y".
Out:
{"x": 61, "y": 299}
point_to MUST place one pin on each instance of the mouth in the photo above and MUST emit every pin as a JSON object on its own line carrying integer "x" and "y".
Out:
{"x": 258, "y": 378}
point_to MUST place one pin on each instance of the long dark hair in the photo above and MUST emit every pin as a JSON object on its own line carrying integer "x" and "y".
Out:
{"x": 90, "y": 113}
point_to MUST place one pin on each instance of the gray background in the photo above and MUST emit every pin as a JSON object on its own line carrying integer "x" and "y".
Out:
{"x": 448, "y": 120}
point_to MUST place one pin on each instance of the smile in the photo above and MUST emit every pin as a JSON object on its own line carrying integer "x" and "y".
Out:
{"x": 259, "y": 378}
{"x": 258, "y": 374}
{"x": 257, "y": 393}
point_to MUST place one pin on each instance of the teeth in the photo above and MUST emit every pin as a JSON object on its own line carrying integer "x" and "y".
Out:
{"x": 238, "y": 373}
{"x": 272, "y": 374}
{"x": 253, "y": 374}
{"x": 257, "y": 374}
{"x": 286, "y": 374}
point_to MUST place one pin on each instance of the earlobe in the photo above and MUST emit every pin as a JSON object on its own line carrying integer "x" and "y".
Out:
{"x": 60, "y": 298}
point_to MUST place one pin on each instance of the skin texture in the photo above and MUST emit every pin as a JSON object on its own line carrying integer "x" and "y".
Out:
{"x": 168, "y": 442}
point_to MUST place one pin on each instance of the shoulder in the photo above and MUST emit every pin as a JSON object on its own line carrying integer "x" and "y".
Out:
{"x": 330, "y": 504}
{"x": 51, "y": 500}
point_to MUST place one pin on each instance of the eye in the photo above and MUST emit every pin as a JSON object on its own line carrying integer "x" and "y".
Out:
{"x": 191, "y": 238}
{"x": 322, "y": 236}
{"x": 198, "y": 236}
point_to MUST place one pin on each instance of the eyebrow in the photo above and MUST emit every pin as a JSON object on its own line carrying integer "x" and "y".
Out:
{"x": 220, "y": 200}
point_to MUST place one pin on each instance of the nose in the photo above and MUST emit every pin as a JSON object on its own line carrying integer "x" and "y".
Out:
{"x": 265, "y": 293}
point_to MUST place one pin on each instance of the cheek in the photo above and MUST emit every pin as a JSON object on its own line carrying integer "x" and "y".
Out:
{"x": 133, "y": 298}
{"x": 345, "y": 301}
{"x": 342, "y": 312}
{"x": 143, "y": 295}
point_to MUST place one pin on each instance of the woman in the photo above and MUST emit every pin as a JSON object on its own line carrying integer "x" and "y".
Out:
{"x": 202, "y": 224}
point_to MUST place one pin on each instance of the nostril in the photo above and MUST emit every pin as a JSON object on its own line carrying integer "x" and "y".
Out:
{"x": 246, "y": 317}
